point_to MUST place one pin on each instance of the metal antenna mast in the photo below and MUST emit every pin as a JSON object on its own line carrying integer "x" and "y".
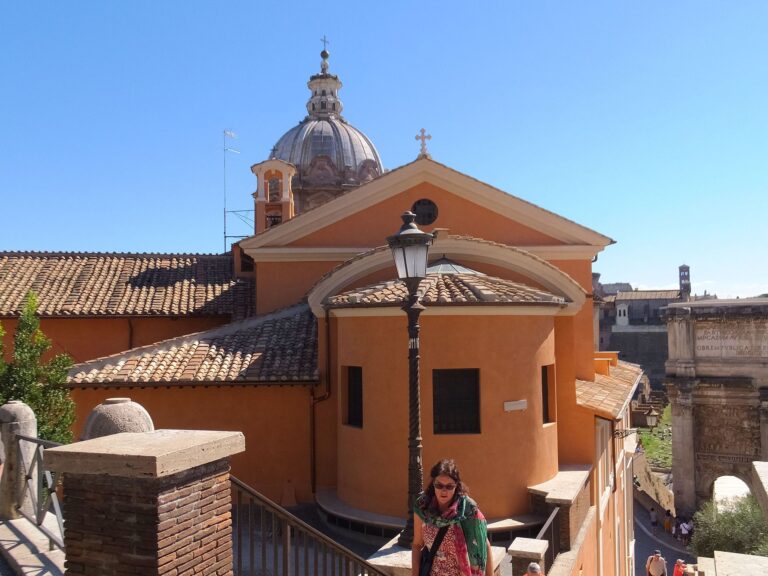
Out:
{"x": 226, "y": 134}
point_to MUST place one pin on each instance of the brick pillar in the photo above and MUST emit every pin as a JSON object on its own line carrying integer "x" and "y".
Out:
{"x": 523, "y": 551}
{"x": 148, "y": 503}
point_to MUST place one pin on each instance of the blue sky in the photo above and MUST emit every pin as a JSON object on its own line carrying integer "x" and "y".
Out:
{"x": 646, "y": 121}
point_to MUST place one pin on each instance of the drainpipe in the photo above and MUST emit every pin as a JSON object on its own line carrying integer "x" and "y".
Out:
{"x": 130, "y": 333}
{"x": 317, "y": 399}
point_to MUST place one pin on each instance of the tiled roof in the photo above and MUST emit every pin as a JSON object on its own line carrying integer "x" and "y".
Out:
{"x": 90, "y": 284}
{"x": 278, "y": 348}
{"x": 609, "y": 298}
{"x": 372, "y": 251}
{"x": 608, "y": 395}
{"x": 648, "y": 295}
{"x": 447, "y": 289}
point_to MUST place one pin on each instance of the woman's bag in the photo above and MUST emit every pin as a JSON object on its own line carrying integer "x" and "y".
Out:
{"x": 428, "y": 556}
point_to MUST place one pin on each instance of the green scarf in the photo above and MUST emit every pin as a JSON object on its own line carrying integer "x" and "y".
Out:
{"x": 463, "y": 511}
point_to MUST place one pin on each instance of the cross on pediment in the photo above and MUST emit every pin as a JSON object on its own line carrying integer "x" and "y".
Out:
{"x": 423, "y": 136}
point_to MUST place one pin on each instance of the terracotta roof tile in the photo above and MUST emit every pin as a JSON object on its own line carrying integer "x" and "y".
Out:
{"x": 276, "y": 348}
{"x": 608, "y": 395}
{"x": 91, "y": 284}
{"x": 447, "y": 289}
{"x": 648, "y": 295}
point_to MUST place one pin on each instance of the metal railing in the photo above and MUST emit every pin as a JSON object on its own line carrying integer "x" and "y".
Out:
{"x": 40, "y": 488}
{"x": 270, "y": 541}
{"x": 551, "y": 533}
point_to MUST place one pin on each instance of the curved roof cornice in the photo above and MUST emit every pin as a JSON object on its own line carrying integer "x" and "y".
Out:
{"x": 456, "y": 248}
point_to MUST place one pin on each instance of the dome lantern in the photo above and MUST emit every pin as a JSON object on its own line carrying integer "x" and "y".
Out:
{"x": 330, "y": 155}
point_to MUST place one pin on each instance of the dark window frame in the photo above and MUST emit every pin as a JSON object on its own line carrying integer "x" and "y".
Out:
{"x": 353, "y": 414}
{"x": 548, "y": 397}
{"x": 456, "y": 401}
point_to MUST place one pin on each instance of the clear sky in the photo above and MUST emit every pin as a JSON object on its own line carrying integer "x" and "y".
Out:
{"x": 646, "y": 121}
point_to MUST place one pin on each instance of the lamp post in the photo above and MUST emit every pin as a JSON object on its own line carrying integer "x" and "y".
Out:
{"x": 410, "y": 248}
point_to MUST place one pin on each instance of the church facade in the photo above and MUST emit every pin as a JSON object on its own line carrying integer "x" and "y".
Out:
{"x": 303, "y": 344}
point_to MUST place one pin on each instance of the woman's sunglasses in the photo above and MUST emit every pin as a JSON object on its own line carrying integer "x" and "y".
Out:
{"x": 441, "y": 486}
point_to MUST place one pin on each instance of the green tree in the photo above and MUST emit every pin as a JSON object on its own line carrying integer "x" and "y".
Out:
{"x": 740, "y": 527}
{"x": 41, "y": 385}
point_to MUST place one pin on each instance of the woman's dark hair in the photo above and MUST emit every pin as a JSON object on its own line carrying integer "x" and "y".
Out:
{"x": 446, "y": 467}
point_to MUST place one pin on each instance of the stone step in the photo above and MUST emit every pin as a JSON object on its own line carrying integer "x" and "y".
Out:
{"x": 26, "y": 549}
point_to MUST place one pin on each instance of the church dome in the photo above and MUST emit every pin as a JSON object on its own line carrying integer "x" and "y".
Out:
{"x": 330, "y": 155}
{"x": 345, "y": 145}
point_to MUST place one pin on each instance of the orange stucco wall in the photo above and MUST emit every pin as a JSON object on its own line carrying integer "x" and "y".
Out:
{"x": 371, "y": 226}
{"x": 89, "y": 338}
{"x": 281, "y": 284}
{"x": 513, "y": 450}
{"x": 274, "y": 419}
{"x": 586, "y": 562}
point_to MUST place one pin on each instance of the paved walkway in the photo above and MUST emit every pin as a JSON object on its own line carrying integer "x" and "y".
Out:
{"x": 647, "y": 540}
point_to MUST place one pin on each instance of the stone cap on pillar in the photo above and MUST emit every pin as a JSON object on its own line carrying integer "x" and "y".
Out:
{"x": 528, "y": 548}
{"x": 144, "y": 454}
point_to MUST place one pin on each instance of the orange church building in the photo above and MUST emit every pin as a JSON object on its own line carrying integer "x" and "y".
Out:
{"x": 302, "y": 344}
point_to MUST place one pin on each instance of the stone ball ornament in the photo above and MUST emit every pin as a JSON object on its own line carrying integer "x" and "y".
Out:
{"x": 116, "y": 415}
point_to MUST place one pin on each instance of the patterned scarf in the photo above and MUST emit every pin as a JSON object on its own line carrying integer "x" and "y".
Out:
{"x": 462, "y": 511}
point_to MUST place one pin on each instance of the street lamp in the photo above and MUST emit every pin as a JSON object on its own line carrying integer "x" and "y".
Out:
{"x": 410, "y": 248}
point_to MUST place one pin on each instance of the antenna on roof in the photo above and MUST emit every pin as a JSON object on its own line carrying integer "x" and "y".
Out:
{"x": 226, "y": 134}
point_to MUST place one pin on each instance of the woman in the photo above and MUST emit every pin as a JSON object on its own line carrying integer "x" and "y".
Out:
{"x": 465, "y": 549}
{"x": 680, "y": 567}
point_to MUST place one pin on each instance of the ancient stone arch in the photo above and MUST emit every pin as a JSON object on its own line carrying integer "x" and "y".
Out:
{"x": 717, "y": 381}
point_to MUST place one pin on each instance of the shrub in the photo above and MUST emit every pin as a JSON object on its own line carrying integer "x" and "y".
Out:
{"x": 739, "y": 527}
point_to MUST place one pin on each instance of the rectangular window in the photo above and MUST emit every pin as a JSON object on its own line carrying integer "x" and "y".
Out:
{"x": 548, "y": 400}
{"x": 354, "y": 396}
{"x": 456, "y": 401}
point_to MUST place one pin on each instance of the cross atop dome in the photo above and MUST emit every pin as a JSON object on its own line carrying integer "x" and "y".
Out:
{"x": 423, "y": 136}
{"x": 324, "y": 55}
{"x": 324, "y": 101}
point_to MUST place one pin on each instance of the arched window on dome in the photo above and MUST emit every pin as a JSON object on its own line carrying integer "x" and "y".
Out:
{"x": 313, "y": 106}
{"x": 334, "y": 106}
{"x": 323, "y": 93}
{"x": 322, "y": 105}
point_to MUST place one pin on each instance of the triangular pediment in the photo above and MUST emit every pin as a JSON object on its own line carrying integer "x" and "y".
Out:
{"x": 347, "y": 219}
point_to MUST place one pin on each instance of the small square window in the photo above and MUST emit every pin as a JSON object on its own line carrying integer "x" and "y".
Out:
{"x": 456, "y": 401}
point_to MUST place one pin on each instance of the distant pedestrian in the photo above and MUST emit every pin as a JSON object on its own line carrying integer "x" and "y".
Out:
{"x": 685, "y": 532}
{"x": 676, "y": 529}
{"x": 653, "y": 515}
{"x": 680, "y": 567}
{"x": 668, "y": 522}
{"x": 656, "y": 565}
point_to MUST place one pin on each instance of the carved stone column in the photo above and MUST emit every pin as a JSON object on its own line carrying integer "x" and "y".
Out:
{"x": 683, "y": 468}
{"x": 764, "y": 424}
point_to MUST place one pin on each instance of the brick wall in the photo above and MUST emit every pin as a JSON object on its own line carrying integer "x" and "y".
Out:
{"x": 177, "y": 525}
{"x": 574, "y": 516}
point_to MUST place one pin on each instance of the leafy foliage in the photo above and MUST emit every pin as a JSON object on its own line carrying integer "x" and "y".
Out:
{"x": 41, "y": 385}
{"x": 657, "y": 442}
{"x": 739, "y": 527}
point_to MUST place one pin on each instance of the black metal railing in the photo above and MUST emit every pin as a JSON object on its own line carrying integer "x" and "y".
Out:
{"x": 270, "y": 541}
{"x": 39, "y": 489}
{"x": 551, "y": 533}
